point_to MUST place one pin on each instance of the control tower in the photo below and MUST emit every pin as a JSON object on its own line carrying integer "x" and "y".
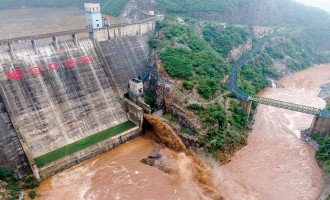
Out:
{"x": 93, "y": 15}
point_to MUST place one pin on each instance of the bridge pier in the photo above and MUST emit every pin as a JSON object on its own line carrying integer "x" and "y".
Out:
{"x": 320, "y": 125}
{"x": 246, "y": 105}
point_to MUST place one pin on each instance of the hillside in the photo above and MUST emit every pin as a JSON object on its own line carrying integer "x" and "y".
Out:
{"x": 309, "y": 23}
{"x": 194, "y": 57}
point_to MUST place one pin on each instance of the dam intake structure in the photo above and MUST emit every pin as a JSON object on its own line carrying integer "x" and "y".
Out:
{"x": 60, "y": 103}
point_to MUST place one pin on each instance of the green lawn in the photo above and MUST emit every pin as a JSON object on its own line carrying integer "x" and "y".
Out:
{"x": 82, "y": 144}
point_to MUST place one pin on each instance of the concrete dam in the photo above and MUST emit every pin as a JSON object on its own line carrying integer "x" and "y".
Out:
{"x": 61, "y": 94}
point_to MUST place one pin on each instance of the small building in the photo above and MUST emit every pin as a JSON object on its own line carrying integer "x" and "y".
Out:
{"x": 151, "y": 12}
{"x": 93, "y": 15}
{"x": 136, "y": 86}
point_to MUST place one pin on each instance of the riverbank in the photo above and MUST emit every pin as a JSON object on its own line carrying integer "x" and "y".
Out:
{"x": 306, "y": 136}
{"x": 276, "y": 164}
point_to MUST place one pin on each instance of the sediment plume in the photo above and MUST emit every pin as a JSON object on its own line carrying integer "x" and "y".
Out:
{"x": 165, "y": 134}
{"x": 184, "y": 164}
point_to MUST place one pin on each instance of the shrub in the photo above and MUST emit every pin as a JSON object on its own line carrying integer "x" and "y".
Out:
{"x": 207, "y": 86}
{"x": 224, "y": 39}
{"x": 32, "y": 194}
{"x": 30, "y": 182}
{"x": 323, "y": 152}
{"x": 195, "y": 106}
{"x": 177, "y": 62}
{"x": 150, "y": 99}
{"x": 188, "y": 85}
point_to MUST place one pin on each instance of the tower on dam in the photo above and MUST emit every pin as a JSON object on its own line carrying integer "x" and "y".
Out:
{"x": 93, "y": 15}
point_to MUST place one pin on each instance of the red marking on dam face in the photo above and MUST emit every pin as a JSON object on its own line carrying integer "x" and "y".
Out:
{"x": 54, "y": 65}
{"x": 35, "y": 70}
{"x": 86, "y": 59}
{"x": 71, "y": 62}
{"x": 17, "y": 74}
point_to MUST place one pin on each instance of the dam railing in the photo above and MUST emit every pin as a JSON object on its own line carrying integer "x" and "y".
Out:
{"x": 9, "y": 41}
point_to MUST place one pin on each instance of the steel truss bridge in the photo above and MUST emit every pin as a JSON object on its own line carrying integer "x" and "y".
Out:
{"x": 266, "y": 101}
{"x": 286, "y": 105}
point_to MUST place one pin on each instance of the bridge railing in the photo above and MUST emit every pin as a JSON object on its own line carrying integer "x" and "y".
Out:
{"x": 286, "y": 105}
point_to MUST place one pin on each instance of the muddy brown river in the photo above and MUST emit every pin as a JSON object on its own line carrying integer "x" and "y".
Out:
{"x": 274, "y": 165}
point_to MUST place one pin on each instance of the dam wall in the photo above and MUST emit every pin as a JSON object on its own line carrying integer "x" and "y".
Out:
{"x": 126, "y": 30}
{"x": 55, "y": 97}
{"x": 11, "y": 152}
{"x": 60, "y": 94}
{"x": 127, "y": 58}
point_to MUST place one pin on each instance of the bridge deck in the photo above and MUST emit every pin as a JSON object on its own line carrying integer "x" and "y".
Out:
{"x": 286, "y": 105}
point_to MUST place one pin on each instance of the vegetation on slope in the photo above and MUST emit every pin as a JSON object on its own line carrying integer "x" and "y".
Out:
{"x": 224, "y": 132}
{"x": 192, "y": 52}
{"x": 328, "y": 105}
{"x": 113, "y": 7}
{"x": 323, "y": 152}
{"x": 312, "y": 23}
{"x": 296, "y": 53}
{"x": 200, "y": 67}
{"x": 185, "y": 6}
{"x": 225, "y": 38}
{"x": 187, "y": 56}
{"x": 14, "y": 185}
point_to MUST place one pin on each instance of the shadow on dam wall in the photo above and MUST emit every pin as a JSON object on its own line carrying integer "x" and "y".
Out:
{"x": 57, "y": 96}
{"x": 127, "y": 58}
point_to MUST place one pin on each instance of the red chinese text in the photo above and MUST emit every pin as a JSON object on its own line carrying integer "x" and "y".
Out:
{"x": 34, "y": 70}
{"x": 54, "y": 65}
{"x": 85, "y": 59}
{"x": 15, "y": 74}
{"x": 71, "y": 62}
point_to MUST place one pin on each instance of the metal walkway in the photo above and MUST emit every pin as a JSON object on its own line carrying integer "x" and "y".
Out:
{"x": 286, "y": 105}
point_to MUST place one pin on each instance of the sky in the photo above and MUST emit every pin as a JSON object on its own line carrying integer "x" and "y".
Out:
{"x": 323, "y": 4}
